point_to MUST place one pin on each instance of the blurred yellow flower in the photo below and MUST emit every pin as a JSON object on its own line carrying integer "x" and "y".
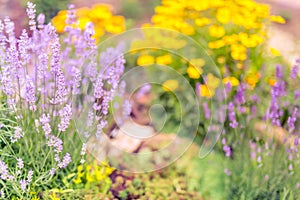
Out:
{"x": 145, "y": 60}
{"x": 93, "y": 172}
{"x": 238, "y": 52}
{"x": 216, "y": 31}
{"x": 194, "y": 72}
{"x": 226, "y": 23}
{"x": 100, "y": 15}
{"x": 216, "y": 44}
{"x": 164, "y": 60}
{"x": 221, "y": 60}
{"x": 170, "y": 85}
{"x": 223, "y": 15}
{"x": 271, "y": 81}
{"x": 59, "y": 21}
{"x": 202, "y": 21}
{"x": 205, "y": 92}
{"x": 274, "y": 52}
{"x": 252, "y": 78}
{"x": 54, "y": 197}
{"x": 232, "y": 80}
{"x": 277, "y": 19}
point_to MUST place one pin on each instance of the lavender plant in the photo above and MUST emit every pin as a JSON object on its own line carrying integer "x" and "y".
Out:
{"x": 39, "y": 75}
{"x": 262, "y": 146}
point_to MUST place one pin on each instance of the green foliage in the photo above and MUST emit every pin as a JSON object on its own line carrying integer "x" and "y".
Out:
{"x": 50, "y": 8}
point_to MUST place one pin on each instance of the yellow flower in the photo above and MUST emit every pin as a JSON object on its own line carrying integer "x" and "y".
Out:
{"x": 230, "y": 39}
{"x": 77, "y": 180}
{"x": 100, "y": 15}
{"x": 236, "y": 55}
{"x": 277, "y": 19}
{"x": 221, "y": 60}
{"x": 271, "y": 81}
{"x": 216, "y": 44}
{"x": 194, "y": 72}
{"x": 223, "y": 15}
{"x": 232, "y": 80}
{"x": 205, "y": 92}
{"x": 164, "y": 60}
{"x": 187, "y": 29}
{"x": 54, "y": 197}
{"x": 82, "y": 21}
{"x": 274, "y": 52}
{"x": 252, "y": 79}
{"x": 89, "y": 177}
{"x": 170, "y": 85}
{"x": 202, "y": 21}
{"x": 216, "y": 31}
{"x": 145, "y": 60}
{"x": 59, "y": 21}
{"x": 238, "y": 52}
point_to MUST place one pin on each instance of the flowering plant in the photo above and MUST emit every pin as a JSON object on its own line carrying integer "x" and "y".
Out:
{"x": 38, "y": 80}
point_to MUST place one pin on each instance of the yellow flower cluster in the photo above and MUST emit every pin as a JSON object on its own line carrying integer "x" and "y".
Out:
{"x": 208, "y": 89}
{"x": 100, "y": 15}
{"x": 238, "y": 25}
{"x": 194, "y": 70}
{"x": 93, "y": 173}
{"x": 144, "y": 60}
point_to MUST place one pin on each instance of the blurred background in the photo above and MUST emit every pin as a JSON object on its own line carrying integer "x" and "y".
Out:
{"x": 284, "y": 37}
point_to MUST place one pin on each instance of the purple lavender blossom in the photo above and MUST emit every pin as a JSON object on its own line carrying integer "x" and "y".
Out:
{"x": 296, "y": 142}
{"x": 206, "y": 110}
{"x": 290, "y": 167}
{"x": 227, "y": 150}
{"x": 279, "y": 89}
{"x": 127, "y": 108}
{"x": 65, "y": 117}
{"x": 24, "y": 47}
{"x": 259, "y": 159}
{"x": 55, "y": 142}
{"x": 61, "y": 92}
{"x": 239, "y": 97}
{"x": 30, "y": 93}
{"x": 279, "y": 73}
{"x": 52, "y": 171}
{"x": 29, "y": 176}
{"x": 31, "y": 15}
{"x": 65, "y": 161}
{"x": 292, "y": 119}
{"x": 23, "y": 184}
{"x": 228, "y": 87}
{"x": 2, "y": 194}
{"x": 297, "y": 94}
{"x": 76, "y": 82}
{"x": 4, "y": 173}
{"x": 294, "y": 72}
{"x": 41, "y": 20}
{"x": 231, "y": 116}
{"x": 18, "y": 134}
{"x": 20, "y": 163}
